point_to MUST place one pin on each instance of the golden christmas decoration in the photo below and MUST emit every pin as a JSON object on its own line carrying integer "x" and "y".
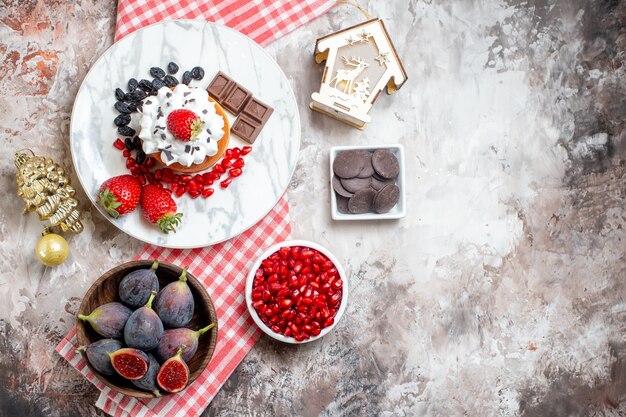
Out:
{"x": 52, "y": 249}
{"x": 45, "y": 188}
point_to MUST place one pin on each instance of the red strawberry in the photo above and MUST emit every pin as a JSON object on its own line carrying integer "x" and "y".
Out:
{"x": 184, "y": 124}
{"x": 159, "y": 207}
{"x": 119, "y": 195}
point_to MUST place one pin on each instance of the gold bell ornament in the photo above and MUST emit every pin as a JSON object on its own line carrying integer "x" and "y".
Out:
{"x": 45, "y": 188}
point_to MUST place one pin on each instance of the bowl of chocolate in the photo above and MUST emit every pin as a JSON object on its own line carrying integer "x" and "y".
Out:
{"x": 367, "y": 182}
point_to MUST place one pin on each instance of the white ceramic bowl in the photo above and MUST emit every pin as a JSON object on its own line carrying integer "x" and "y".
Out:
{"x": 396, "y": 212}
{"x": 275, "y": 248}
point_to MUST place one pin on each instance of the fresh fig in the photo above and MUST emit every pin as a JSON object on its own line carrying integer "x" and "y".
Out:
{"x": 108, "y": 319}
{"x": 129, "y": 363}
{"x": 136, "y": 287}
{"x": 173, "y": 338}
{"x": 174, "y": 373}
{"x": 175, "y": 304}
{"x": 144, "y": 328}
{"x": 97, "y": 354}
{"x": 148, "y": 382}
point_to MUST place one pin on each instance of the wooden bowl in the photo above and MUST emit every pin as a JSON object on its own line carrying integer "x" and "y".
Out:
{"x": 104, "y": 290}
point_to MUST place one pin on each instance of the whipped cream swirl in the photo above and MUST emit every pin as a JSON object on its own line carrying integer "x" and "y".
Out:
{"x": 157, "y": 138}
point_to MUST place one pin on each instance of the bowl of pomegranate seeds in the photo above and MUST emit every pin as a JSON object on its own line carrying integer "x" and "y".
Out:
{"x": 296, "y": 291}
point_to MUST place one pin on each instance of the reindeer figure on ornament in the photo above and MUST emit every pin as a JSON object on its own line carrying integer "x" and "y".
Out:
{"x": 349, "y": 75}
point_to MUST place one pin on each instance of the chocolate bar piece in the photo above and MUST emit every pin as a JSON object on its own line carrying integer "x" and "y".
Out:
{"x": 258, "y": 110}
{"x": 246, "y": 128}
{"x": 221, "y": 86}
{"x": 236, "y": 99}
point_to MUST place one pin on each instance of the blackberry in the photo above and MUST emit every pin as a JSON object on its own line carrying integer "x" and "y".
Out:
{"x": 145, "y": 85}
{"x": 122, "y": 107}
{"x": 170, "y": 81}
{"x": 128, "y": 142}
{"x": 122, "y": 120}
{"x": 126, "y": 131}
{"x": 137, "y": 143}
{"x": 119, "y": 94}
{"x": 157, "y": 83}
{"x": 140, "y": 157}
{"x": 186, "y": 78}
{"x": 172, "y": 68}
{"x": 157, "y": 72}
{"x": 197, "y": 73}
{"x": 132, "y": 84}
{"x": 136, "y": 95}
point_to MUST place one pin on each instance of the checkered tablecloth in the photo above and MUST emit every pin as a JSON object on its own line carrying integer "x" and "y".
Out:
{"x": 221, "y": 268}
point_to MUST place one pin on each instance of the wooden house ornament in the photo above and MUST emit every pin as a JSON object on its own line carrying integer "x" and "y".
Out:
{"x": 360, "y": 62}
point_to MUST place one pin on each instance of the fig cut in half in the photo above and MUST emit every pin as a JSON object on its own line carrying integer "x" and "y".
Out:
{"x": 174, "y": 373}
{"x": 130, "y": 363}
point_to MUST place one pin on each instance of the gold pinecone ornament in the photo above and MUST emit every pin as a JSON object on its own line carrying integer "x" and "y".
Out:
{"x": 45, "y": 188}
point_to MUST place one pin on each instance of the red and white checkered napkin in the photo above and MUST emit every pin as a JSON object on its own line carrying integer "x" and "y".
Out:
{"x": 221, "y": 268}
{"x": 262, "y": 20}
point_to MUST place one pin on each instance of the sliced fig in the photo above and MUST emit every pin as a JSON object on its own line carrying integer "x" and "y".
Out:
{"x": 97, "y": 354}
{"x": 108, "y": 319}
{"x": 174, "y": 373}
{"x": 136, "y": 287}
{"x": 129, "y": 363}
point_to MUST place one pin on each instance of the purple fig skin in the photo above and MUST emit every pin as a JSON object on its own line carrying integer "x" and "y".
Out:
{"x": 175, "y": 303}
{"x": 108, "y": 320}
{"x": 136, "y": 287}
{"x": 148, "y": 382}
{"x": 172, "y": 339}
{"x": 97, "y": 354}
{"x": 144, "y": 328}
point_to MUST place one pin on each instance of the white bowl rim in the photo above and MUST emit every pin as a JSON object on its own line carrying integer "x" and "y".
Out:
{"x": 267, "y": 253}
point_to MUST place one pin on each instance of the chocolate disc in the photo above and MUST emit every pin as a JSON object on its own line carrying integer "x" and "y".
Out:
{"x": 378, "y": 184}
{"x": 386, "y": 198}
{"x": 367, "y": 170}
{"x": 362, "y": 201}
{"x": 342, "y": 205}
{"x": 385, "y": 164}
{"x": 348, "y": 164}
{"x": 353, "y": 185}
{"x": 339, "y": 188}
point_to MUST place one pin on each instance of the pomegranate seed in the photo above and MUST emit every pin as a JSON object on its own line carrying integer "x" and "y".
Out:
{"x": 226, "y": 182}
{"x": 219, "y": 169}
{"x": 130, "y": 162}
{"x": 235, "y": 172}
{"x": 126, "y": 153}
{"x": 198, "y": 179}
{"x": 158, "y": 174}
{"x": 236, "y": 153}
{"x": 227, "y": 163}
{"x": 246, "y": 150}
{"x": 316, "y": 332}
{"x": 286, "y": 303}
{"x": 119, "y": 144}
{"x": 337, "y": 284}
{"x": 185, "y": 178}
{"x": 142, "y": 179}
{"x": 180, "y": 190}
{"x": 207, "y": 192}
{"x": 150, "y": 162}
{"x": 329, "y": 322}
{"x": 335, "y": 299}
{"x": 307, "y": 253}
{"x": 144, "y": 169}
{"x": 228, "y": 154}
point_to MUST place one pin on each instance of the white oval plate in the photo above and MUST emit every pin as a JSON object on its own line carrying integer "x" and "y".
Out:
{"x": 189, "y": 43}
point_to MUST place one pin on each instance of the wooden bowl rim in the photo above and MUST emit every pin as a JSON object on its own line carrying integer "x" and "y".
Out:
{"x": 81, "y": 330}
